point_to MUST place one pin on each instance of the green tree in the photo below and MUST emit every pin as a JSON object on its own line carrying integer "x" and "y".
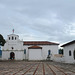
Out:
{"x": 60, "y": 51}
{"x": 2, "y": 40}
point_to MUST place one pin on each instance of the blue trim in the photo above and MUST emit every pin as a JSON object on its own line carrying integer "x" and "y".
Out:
{"x": 24, "y": 51}
{"x": 49, "y": 52}
{"x": 0, "y": 53}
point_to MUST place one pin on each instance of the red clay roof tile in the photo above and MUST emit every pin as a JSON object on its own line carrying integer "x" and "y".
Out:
{"x": 35, "y": 47}
{"x": 39, "y": 43}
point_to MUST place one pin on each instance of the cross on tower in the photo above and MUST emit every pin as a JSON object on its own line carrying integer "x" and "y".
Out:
{"x": 13, "y": 30}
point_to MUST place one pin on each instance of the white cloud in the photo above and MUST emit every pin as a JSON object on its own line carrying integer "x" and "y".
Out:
{"x": 52, "y": 20}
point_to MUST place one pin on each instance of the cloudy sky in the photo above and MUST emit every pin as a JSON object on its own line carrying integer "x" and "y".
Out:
{"x": 46, "y": 20}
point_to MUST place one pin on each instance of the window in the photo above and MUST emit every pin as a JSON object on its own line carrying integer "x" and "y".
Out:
{"x": 69, "y": 53}
{"x": 9, "y": 38}
{"x": 24, "y": 51}
{"x": 0, "y": 53}
{"x": 12, "y": 37}
{"x": 49, "y": 52}
{"x": 12, "y": 48}
{"x": 15, "y": 38}
{"x": 60, "y": 51}
{"x": 74, "y": 54}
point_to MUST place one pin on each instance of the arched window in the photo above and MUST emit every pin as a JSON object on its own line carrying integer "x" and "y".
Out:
{"x": 15, "y": 38}
{"x": 74, "y": 54}
{"x": 69, "y": 53}
{"x": 49, "y": 52}
{"x": 12, "y": 48}
{"x": 9, "y": 38}
{"x": 24, "y": 51}
{"x": 12, "y": 38}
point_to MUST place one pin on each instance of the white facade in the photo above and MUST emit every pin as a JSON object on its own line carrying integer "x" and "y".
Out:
{"x": 69, "y": 52}
{"x": 14, "y": 49}
{"x": 43, "y": 51}
{"x": 13, "y": 44}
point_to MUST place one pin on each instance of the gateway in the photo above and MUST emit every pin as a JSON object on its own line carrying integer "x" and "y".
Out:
{"x": 35, "y": 53}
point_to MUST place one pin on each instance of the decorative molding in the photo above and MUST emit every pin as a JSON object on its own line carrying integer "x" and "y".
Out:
{"x": 12, "y": 50}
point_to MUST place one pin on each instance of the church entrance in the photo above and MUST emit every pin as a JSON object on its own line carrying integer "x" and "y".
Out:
{"x": 12, "y": 55}
{"x": 74, "y": 54}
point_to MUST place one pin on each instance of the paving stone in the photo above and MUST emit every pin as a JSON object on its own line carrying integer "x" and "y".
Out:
{"x": 36, "y": 68}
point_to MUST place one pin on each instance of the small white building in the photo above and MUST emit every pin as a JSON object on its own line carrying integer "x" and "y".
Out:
{"x": 69, "y": 52}
{"x": 16, "y": 49}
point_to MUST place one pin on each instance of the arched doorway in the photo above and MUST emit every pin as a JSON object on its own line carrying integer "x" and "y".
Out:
{"x": 74, "y": 54}
{"x": 12, "y": 55}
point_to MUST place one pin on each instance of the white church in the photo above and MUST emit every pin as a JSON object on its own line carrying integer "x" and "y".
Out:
{"x": 15, "y": 49}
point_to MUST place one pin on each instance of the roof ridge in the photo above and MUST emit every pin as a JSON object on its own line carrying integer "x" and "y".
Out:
{"x": 39, "y": 43}
{"x": 68, "y": 43}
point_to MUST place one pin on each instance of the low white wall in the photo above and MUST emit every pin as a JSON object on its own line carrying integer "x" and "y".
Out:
{"x": 58, "y": 59}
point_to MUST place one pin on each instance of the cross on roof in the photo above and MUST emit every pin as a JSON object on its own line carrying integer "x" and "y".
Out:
{"x": 13, "y": 30}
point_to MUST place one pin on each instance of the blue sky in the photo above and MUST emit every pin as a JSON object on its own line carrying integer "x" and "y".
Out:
{"x": 45, "y": 20}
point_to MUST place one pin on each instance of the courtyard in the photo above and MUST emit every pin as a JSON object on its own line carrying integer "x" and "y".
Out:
{"x": 36, "y": 68}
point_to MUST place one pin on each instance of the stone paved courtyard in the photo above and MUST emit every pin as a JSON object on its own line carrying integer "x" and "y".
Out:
{"x": 35, "y": 68}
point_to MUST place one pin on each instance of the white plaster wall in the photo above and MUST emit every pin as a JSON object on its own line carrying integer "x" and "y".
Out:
{"x": 67, "y": 58}
{"x": 16, "y": 44}
{"x": 53, "y": 48}
{"x": 5, "y": 55}
{"x": 45, "y": 48}
{"x": 19, "y": 47}
{"x": 18, "y": 55}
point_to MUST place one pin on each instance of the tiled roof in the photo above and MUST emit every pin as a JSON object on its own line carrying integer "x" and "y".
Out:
{"x": 35, "y": 47}
{"x": 39, "y": 43}
{"x": 68, "y": 43}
